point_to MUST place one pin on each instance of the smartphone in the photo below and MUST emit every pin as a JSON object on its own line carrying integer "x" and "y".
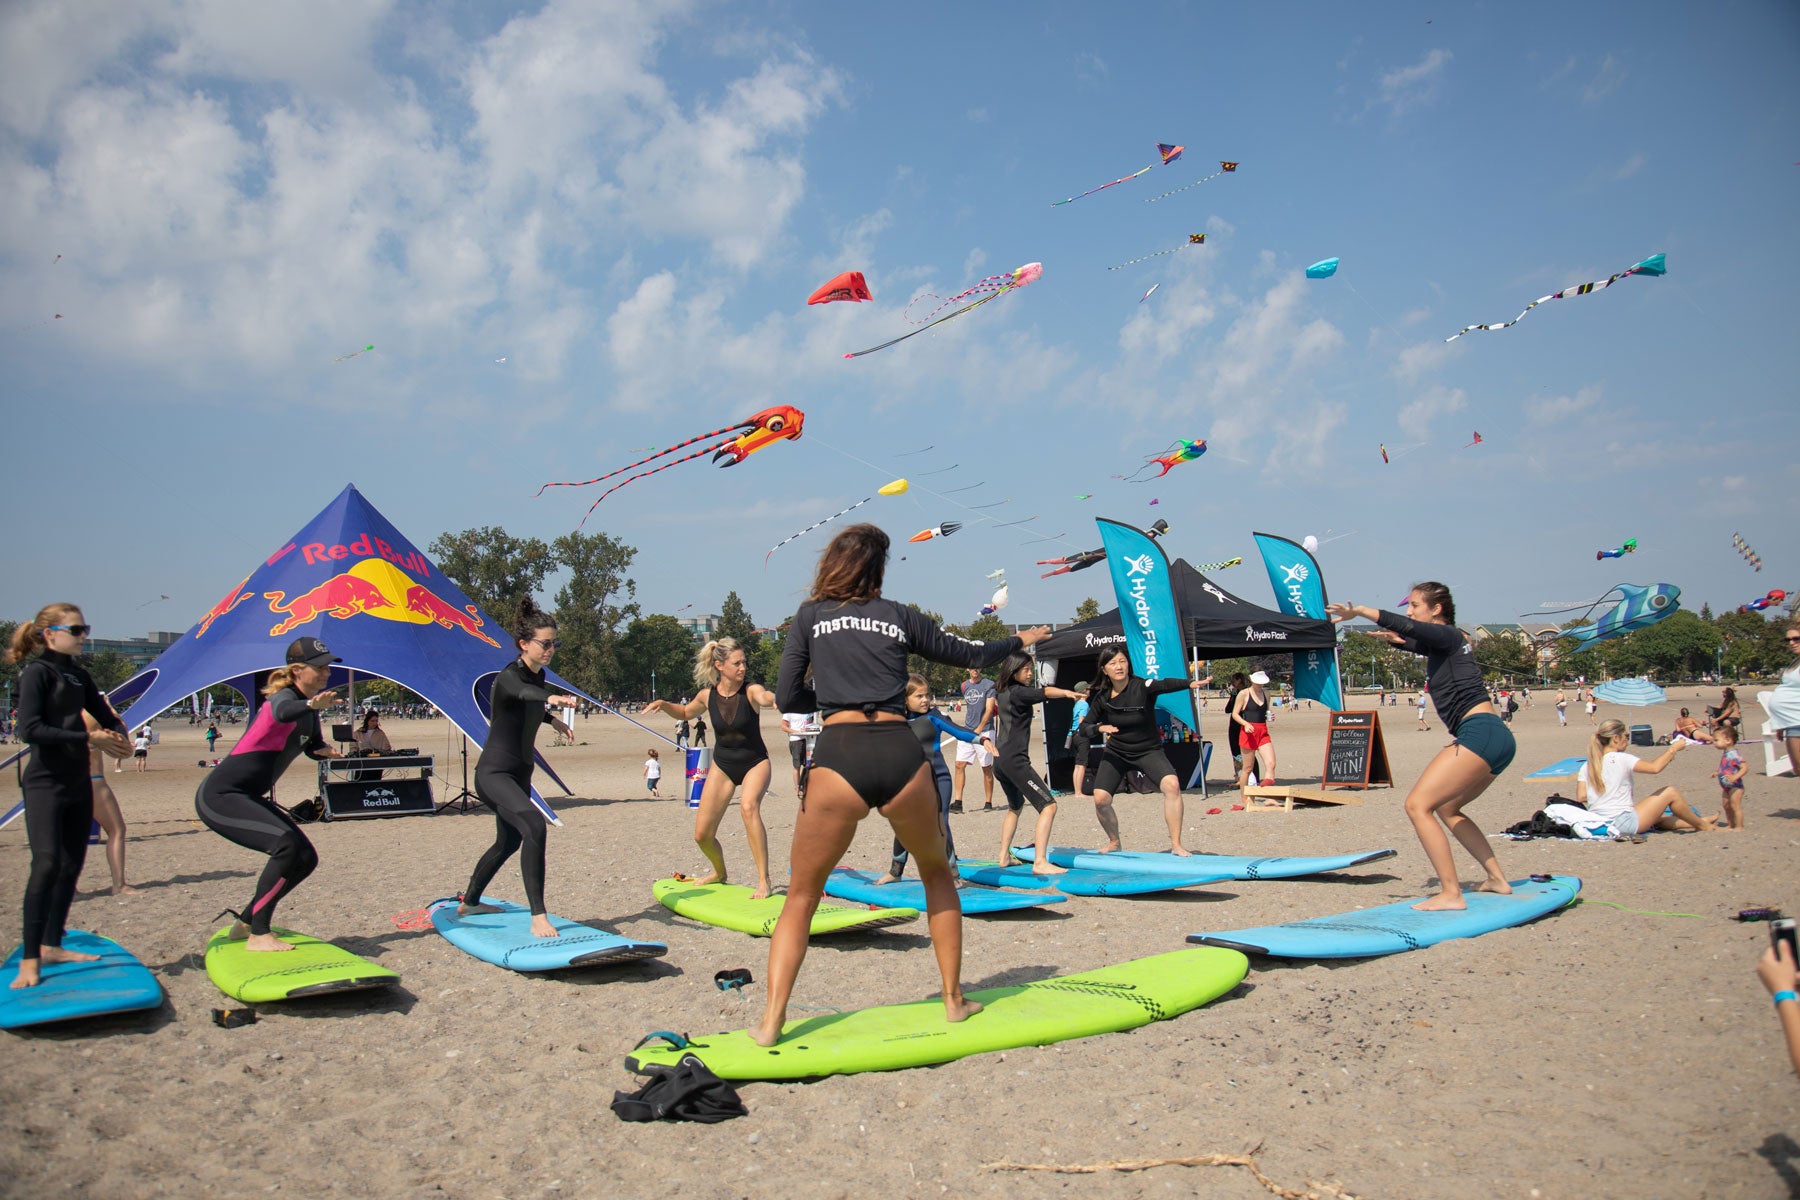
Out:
{"x": 1782, "y": 930}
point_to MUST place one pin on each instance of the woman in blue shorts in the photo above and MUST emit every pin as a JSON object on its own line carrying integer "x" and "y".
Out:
{"x": 1462, "y": 770}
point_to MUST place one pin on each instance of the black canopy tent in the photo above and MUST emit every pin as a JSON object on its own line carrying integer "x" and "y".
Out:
{"x": 1215, "y": 624}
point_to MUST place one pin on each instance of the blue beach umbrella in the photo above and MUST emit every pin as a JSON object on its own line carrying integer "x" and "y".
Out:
{"x": 1633, "y": 693}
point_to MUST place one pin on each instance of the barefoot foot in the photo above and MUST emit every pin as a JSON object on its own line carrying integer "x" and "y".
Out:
{"x": 1498, "y": 887}
{"x": 265, "y": 943}
{"x": 126, "y": 890}
{"x": 1180, "y": 851}
{"x": 541, "y": 926}
{"x": 960, "y": 1009}
{"x": 890, "y": 877}
{"x": 464, "y": 910}
{"x": 1112, "y": 847}
{"x": 762, "y": 890}
{"x": 238, "y": 932}
{"x": 765, "y": 1032}
{"x": 1441, "y": 903}
{"x": 1044, "y": 868}
{"x": 56, "y": 954}
{"x": 28, "y": 974}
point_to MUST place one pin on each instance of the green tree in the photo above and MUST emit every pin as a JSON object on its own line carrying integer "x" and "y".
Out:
{"x": 109, "y": 668}
{"x": 494, "y": 568}
{"x": 9, "y": 672}
{"x": 735, "y": 622}
{"x": 656, "y": 659}
{"x": 593, "y": 603}
{"x": 1087, "y": 610}
{"x": 765, "y": 664}
{"x": 1678, "y": 646}
{"x": 1504, "y": 656}
{"x": 942, "y": 678}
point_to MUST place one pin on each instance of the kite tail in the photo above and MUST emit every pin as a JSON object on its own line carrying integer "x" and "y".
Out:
{"x": 1184, "y": 187}
{"x": 652, "y": 471}
{"x": 1104, "y": 186}
{"x": 941, "y": 320}
{"x": 741, "y": 425}
{"x": 802, "y": 533}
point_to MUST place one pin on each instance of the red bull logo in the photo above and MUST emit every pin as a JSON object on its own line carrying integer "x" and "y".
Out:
{"x": 375, "y": 588}
{"x": 232, "y": 599}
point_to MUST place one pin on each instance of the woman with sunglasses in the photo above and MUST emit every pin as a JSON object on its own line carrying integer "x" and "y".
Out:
{"x": 1784, "y": 701}
{"x": 234, "y": 800}
{"x": 503, "y": 772}
{"x": 54, "y": 692}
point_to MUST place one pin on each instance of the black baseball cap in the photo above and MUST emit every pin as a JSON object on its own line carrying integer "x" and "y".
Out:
{"x": 311, "y": 651}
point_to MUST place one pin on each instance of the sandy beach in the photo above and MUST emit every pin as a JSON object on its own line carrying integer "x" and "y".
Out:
{"x": 1599, "y": 1052}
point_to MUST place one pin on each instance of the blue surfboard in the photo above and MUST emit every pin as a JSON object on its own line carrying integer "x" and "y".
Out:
{"x": 505, "y": 939}
{"x": 116, "y": 983}
{"x": 1077, "y": 882}
{"x": 860, "y": 886}
{"x": 1226, "y": 866}
{"x": 1398, "y": 927}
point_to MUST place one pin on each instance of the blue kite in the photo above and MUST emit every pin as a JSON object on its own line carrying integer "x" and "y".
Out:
{"x": 1325, "y": 268}
{"x": 1636, "y": 608}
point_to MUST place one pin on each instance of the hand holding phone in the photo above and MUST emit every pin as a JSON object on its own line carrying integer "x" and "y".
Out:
{"x": 1781, "y": 933}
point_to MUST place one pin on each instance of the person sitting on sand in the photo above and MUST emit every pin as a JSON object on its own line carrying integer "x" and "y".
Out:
{"x": 1605, "y": 786}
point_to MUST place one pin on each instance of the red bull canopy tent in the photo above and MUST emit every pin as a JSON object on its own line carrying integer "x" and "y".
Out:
{"x": 358, "y": 584}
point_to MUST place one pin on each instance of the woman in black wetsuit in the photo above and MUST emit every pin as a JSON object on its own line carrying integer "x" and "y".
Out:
{"x": 1123, "y": 707}
{"x": 233, "y": 801}
{"x": 1462, "y": 770}
{"x": 1012, "y": 759}
{"x": 53, "y": 692}
{"x": 503, "y": 772}
{"x": 855, "y": 644}
{"x": 1239, "y": 682}
{"x": 739, "y": 757}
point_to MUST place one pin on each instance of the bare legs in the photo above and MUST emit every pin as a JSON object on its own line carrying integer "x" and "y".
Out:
{"x": 715, "y": 797}
{"x": 112, "y": 821}
{"x": 1174, "y": 810}
{"x": 1109, "y": 820}
{"x": 1650, "y": 812}
{"x": 1451, "y": 780}
{"x": 822, "y": 832}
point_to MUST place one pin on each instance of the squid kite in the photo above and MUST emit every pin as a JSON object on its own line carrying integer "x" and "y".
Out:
{"x": 936, "y": 531}
{"x": 771, "y": 425}
{"x": 1169, "y": 154}
{"x": 1775, "y": 596}
{"x": 340, "y": 358}
{"x": 996, "y": 286}
{"x": 1654, "y": 265}
{"x": 1194, "y": 239}
{"x": 1636, "y": 608}
{"x": 1184, "y": 450}
{"x": 1746, "y": 553}
{"x": 848, "y": 286}
{"x": 896, "y": 488}
{"x": 1628, "y": 546}
{"x": 1225, "y": 168}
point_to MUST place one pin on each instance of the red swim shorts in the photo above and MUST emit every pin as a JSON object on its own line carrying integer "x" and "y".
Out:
{"x": 1254, "y": 737}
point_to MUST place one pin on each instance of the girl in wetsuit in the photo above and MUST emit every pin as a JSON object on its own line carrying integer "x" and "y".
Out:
{"x": 1123, "y": 707}
{"x": 234, "y": 802}
{"x": 1463, "y": 770}
{"x": 503, "y": 772}
{"x": 739, "y": 757}
{"x": 54, "y": 691}
{"x": 1250, "y": 717}
{"x": 1012, "y": 760}
{"x": 930, "y": 725}
{"x": 855, "y": 644}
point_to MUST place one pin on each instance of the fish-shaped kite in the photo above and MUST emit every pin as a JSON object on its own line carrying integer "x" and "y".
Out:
{"x": 1636, "y": 608}
{"x": 1654, "y": 265}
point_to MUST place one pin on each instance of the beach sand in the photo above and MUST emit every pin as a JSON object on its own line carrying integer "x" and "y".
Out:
{"x": 1598, "y": 1052}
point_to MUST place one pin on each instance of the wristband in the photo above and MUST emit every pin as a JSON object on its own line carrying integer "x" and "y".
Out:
{"x": 1785, "y": 994}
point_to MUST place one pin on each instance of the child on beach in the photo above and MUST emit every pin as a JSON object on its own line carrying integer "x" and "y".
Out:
{"x": 929, "y": 725}
{"x": 1732, "y": 769}
{"x": 653, "y": 772}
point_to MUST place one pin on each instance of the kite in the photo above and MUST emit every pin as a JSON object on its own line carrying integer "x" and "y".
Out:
{"x": 940, "y": 470}
{"x": 1477, "y": 440}
{"x": 1085, "y": 496}
{"x": 1636, "y": 608}
{"x": 771, "y": 425}
{"x": 1744, "y": 551}
{"x": 1194, "y": 239}
{"x": 1146, "y": 295}
{"x": 920, "y": 450}
{"x": 1001, "y": 284}
{"x": 997, "y": 602}
{"x": 499, "y": 360}
{"x": 1087, "y": 558}
{"x": 1325, "y": 268}
{"x": 1184, "y": 450}
{"x": 1654, "y": 265}
{"x": 1629, "y": 546}
{"x": 1222, "y": 565}
{"x": 158, "y": 600}
{"x": 936, "y": 531}
{"x": 1224, "y": 169}
{"x": 1775, "y": 596}
{"x": 896, "y": 488}
{"x": 1169, "y": 154}
{"x": 1156, "y": 502}
{"x": 340, "y": 358}
{"x": 848, "y": 286}
{"x": 1384, "y": 457}
{"x": 1310, "y": 544}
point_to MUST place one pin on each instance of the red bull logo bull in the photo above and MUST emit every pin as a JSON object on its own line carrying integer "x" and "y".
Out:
{"x": 374, "y": 587}
{"x": 231, "y": 600}
{"x": 423, "y": 601}
{"x": 341, "y": 596}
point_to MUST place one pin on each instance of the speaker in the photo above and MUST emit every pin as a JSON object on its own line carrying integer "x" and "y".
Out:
{"x": 378, "y": 798}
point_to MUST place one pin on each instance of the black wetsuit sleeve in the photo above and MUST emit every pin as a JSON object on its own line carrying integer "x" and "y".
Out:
{"x": 1162, "y": 687}
{"x": 929, "y": 641}
{"x": 37, "y": 684}
{"x": 291, "y": 707}
{"x": 312, "y": 738}
{"x": 791, "y": 692}
{"x": 513, "y": 686}
{"x": 1422, "y": 637}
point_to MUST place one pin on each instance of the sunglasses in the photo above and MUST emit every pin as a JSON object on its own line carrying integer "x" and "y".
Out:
{"x": 72, "y": 630}
{"x": 552, "y": 644}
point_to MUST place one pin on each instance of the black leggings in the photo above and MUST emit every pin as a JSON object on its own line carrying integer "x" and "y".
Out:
{"x": 57, "y": 818}
{"x": 517, "y": 822}
{"x": 941, "y": 777}
{"x": 257, "y": 823}
{"x": 1021, "y": 782}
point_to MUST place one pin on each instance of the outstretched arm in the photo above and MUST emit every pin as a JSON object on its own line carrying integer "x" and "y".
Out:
{"x": 681, "y": 712}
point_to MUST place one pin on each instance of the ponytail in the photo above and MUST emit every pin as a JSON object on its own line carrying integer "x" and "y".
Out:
{"x": 1432, "y": 593}
{"x": 280, "y": 677}
{"x": 527, "y": 619}
{"x": 28, "y": 639}
{"x": 708, "y": 658}
{"x": 1609, "y": 729}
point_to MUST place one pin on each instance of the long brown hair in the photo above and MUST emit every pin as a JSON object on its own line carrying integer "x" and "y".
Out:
{"x": 1431, "y": 592}
{"x": 29, "y": 638}
{"x": 1609, "y": 729}
{"x": 852, "y": 566}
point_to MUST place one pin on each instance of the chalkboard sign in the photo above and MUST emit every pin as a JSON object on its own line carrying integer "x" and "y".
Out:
{"x": 1355, "y": 755}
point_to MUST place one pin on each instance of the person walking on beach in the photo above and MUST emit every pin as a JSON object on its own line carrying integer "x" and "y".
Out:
{"x": 1732, "y": 769}
{"x": 212, "y": 737}
{"x": 653, "y": 773}
{"x": 140, "y": 750}
{"x": 739, "y": 760}
{"x": 1483, "y": 747}
{"x": 54, "y": 690}
{"x": 1562, "y": 709}
{"x": 977, "y": 717}
{"x": 1419, "y": 704}
{"x": 503, "y": 772}
{"x": 1123, "y": 707}
{"x": 1250, "y": 713}
{"x": 234, "y": 802}
{"x": 1592, "y": 709}
{"x": 1012, "y": 759}
{"x": 855, "y": 643}
{"x": 796, "y": 725}
{"x": 681, "y": 730}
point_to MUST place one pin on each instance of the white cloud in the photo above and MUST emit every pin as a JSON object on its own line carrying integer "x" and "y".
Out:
{"x": 1406, "y": 88}
{"x": 1425, "y": 409}
{"x": 1606, "y": 80}
{"x": 1560, "y": 409}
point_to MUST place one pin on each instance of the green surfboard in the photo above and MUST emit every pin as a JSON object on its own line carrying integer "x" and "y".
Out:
{"x": 311, "y": 968}
{"x": 916, "y": 1035}
{"x": 729, "y": 906}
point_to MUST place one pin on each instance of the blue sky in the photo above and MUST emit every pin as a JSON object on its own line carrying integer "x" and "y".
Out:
{"x": 630, "y": 203}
